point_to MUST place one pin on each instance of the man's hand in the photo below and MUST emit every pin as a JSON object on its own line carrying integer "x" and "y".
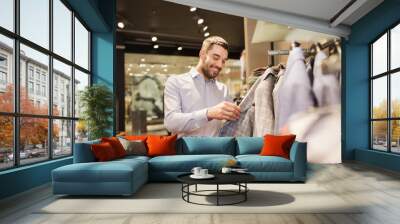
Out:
{"x": 224, "y": 111}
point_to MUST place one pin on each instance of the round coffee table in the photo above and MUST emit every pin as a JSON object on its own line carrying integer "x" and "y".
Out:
{"x": 238, "y": 179}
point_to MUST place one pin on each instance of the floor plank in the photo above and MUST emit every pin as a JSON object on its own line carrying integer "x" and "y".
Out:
{"x": 377, "y": 190}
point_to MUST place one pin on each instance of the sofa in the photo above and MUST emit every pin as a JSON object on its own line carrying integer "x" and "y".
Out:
{"x": 126, "y": 175}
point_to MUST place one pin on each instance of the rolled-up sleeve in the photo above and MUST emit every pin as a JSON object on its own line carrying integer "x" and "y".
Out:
{"x": 174, "y": 119}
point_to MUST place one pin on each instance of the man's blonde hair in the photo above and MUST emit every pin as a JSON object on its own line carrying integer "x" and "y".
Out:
{"x": 214, "y": 40}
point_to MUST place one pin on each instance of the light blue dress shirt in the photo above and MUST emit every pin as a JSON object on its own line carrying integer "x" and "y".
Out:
{"x": 186, "y": 99}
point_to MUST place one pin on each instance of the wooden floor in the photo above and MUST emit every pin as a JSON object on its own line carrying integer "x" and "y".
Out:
{"x": 377, "y": 188}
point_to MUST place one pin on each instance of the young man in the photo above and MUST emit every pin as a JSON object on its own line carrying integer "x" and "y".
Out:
{"x": 196, "y": 103}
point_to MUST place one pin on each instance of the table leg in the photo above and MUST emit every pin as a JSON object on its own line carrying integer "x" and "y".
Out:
{"x": 245, "y": 193}
{"x": 217, "y": 194}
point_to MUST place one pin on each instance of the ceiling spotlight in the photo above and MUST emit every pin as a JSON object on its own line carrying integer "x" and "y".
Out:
{"x": 121, "y": 25}
{"x": 200, "y": 21}
{"x": 130, "y": 74}
{"x": 206, "y": 34}
{"x": 165, "y": 70}
{"x": 154, "y": 39}
{"x": 180, "y": 48}
{"x": 155, "y": 46}
{"x": 193, "y": 9}
{"x": 142, "y": 60}
{"x": 205, "y": 28}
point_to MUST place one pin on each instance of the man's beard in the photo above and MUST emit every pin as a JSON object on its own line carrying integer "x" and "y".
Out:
{"x": 206, "y": 71}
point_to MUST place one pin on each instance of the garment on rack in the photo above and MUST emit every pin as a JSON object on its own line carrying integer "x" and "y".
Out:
{"x": 310, "y": 73}
{"x": 275, "y": 91}
{"x": 244, "y": 125}
{"x": 295, "y": 93}
{"x": 326, "y": 86}
{"x": 320, "y": 128}
{"x": 264, "y": 105}
{"x": 255, "y": 74}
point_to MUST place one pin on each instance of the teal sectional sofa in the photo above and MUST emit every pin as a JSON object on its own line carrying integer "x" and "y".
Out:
{"x": 125, "y": 176}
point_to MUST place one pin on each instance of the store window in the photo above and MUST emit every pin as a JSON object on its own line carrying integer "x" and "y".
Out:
{"x": 45, "y": 123}
{"x": 385, "y": 94}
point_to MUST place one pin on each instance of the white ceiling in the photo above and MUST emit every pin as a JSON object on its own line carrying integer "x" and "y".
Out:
{"x": 313, "y": 15}
{"x": 320, "y": 9}
{"x": 269, "y": 32}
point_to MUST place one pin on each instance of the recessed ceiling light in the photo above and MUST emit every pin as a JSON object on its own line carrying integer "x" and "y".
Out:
{"x": 206, "y": 34}
{"x": 147, "y": 70}
{"x": 130, "y": 65}
{"x": 200, "y": 21}
{"x": 155, "y": 46}
{"x": 130, "y": 74}
{"x": 142, "y": 59}
{"x": 180, "y": 48}
{"x": 152, "y": 66}
{"x": 129, "y": 69}
{"x": 121, "y": 25}
{"x": 154, "y": 39}
{"x": 205, "y": 28}
{"x": 193, "y": 9}
{"x": 142, "y": 65}
{"x": 165, "y": 70}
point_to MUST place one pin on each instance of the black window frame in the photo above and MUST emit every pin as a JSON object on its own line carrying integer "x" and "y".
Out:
{"x": 16, "y": 115}
{"x": 388, "y": 74}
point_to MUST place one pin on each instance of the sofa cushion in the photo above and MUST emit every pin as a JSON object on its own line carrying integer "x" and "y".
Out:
{"x": 249, "y": 145}
{"x": 161, "y": 145}
{"x": 257, "y": 163}
{"x": 134, "y": 147}
{"x": 277, "y": 145}
{"x": 112, "y": 171}
{"x": 116, "y": 145}
{"x": 103, "y": 152}
{"x": 206, "y": 145}
{"x": 185, "y": 163}
{"x": 83, "y": 152}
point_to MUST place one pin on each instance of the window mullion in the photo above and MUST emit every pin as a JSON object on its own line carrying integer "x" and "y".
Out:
{"x": 73, "y": 82}
{"x": 389, "y": 104}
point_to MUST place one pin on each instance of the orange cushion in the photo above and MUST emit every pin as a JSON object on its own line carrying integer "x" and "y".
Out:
{"x": 103, "y": 152}
{"x": 135, "y": 137}
{"x": 277, "y": 145}
{"x": 161, "y": 145}
{"x": 116, "y": 145}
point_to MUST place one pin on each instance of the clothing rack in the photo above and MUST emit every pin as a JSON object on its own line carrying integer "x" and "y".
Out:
{"x": 284, "y": 52}
{"x": 330, "y": 43}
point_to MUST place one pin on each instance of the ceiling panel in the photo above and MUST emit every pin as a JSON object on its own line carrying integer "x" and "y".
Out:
{"x": 320, "y": 9}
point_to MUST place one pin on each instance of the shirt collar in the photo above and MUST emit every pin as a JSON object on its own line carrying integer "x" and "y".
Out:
{"x": 195, "y": 74}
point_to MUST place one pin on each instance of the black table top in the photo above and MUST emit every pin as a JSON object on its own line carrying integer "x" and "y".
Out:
{"x": 220, "y": 178}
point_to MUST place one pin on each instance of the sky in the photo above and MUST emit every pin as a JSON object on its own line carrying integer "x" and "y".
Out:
{"x": 35, "y": 27}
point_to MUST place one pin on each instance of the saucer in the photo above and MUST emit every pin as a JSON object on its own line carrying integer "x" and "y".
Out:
{"x": 208, "y": 176}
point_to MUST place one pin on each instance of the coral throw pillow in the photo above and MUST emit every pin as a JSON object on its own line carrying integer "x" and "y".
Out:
{"x": 135, "y": 137}
{"x": 277, "y": 145}
{"x": 116, "y": 145}
{"x": 161, "y": 145}
{"x": 103, "y": 152}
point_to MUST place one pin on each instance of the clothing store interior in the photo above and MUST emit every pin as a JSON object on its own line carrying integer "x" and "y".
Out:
{"x": 285, "y": 79}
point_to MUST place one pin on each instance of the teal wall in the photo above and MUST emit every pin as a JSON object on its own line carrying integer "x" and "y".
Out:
{"x": 24, "y": 178}
{"x": 99, "y": 15}
{"x": 356, "y": 85}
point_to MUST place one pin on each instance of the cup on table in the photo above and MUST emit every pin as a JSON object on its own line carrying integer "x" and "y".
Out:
{"x": 226, "y": 170}
{"x": 196, "y": 171}
{"x": 203, "y": 172}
